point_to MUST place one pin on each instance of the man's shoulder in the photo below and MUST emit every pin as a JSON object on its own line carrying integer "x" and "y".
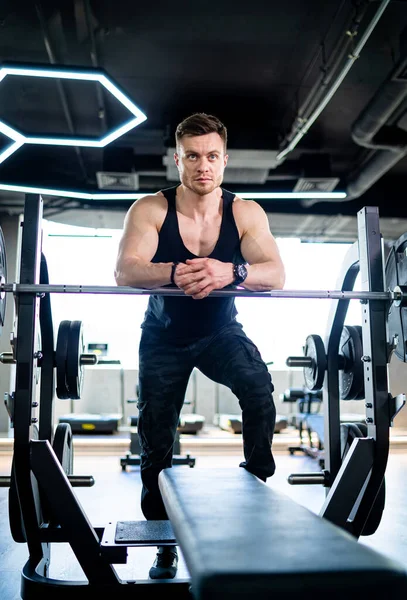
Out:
{"x": 248, "y": 214}
{"x": 150, "y": 208}
{"x": 246, "y": 207}
{"x": 150, "y": 202}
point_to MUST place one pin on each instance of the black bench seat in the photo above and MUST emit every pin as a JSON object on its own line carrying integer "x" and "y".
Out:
{"x": 243, "y": 539}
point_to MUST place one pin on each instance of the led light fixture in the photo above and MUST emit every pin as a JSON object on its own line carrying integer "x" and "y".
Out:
{"x": 81, "y": 75}
{"x": 130, "y": 196}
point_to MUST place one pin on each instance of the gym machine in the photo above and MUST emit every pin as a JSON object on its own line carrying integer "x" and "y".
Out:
{"x": 352, "y": 364}
{"x": 43, "y": 507}
{"x": 42, "y": 503}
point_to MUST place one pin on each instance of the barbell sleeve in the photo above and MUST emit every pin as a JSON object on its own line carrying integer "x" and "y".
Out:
{"x": 74, "y": 480}
{"x": 307, "y": 479}
{"x": 299, "y": 361}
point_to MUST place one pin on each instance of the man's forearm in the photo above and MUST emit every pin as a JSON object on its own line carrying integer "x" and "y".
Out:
{"x": 263, "y": 277}
{"x": 143, "y": 275}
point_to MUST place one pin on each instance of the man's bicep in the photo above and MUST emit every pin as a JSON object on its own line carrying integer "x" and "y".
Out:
{"x": 140, "y": 237}
{"x": 259, "y": 247}
{"x": 257, "y": 243}
{"x": 140, "y": 244}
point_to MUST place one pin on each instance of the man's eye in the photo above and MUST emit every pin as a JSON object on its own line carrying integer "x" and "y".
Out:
{"x": 191, "y": 156}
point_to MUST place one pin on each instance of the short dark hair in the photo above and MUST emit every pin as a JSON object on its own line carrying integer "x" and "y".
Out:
{"x": 201, "y": 124}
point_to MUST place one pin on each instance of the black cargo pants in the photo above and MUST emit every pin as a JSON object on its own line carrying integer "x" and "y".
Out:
{"x": 228, "y": 357}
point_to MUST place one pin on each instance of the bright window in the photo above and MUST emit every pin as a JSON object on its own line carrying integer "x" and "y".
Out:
{"x": 77, "y": 255}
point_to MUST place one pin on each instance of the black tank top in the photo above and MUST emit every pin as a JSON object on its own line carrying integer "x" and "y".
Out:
{"x": 181, "y": 316}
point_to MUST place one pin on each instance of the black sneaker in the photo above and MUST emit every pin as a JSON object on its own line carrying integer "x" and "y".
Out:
{"x": 165, "y": 564}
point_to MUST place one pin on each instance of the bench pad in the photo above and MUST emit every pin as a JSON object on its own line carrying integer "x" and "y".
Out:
{"x": 243, "y": 539}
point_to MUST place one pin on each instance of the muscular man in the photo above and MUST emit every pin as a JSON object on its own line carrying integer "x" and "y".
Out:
{"x": 199, "y": 237}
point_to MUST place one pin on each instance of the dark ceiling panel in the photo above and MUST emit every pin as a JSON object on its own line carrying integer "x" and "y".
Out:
{"x": 252, "y": 64}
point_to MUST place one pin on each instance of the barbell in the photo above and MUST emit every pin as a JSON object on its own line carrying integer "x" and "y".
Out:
{"x": 398, "y": 295}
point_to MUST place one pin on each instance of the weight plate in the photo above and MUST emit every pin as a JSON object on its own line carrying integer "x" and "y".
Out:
{"x": 314, "y": 375}
{"x": 3, "y": 279}
{"x": 61, "y": 358}
{"x": 396, "y": 274}
{"x": 63, "y": 446}
{"x": 74, "y": 369}
{"x": 350, "y": 431}
{"x": 351, "y": 376}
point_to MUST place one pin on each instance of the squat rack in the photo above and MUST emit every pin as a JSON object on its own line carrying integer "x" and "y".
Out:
{"x": 43, "y": 505}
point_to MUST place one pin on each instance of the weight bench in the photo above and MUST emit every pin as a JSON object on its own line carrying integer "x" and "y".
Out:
{"x": 242, "y": 539}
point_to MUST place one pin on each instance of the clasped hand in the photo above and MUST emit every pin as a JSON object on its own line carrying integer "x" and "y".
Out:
{"x": 199, "y": 276}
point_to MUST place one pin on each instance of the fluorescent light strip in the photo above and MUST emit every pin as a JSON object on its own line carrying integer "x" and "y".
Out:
{"x": 25, "y": 72}
{"x": 121, "y": 97}
{"x": 135, "y": 196}
{"x": 10, "y": 150}
{"x": 83, "y": 142}
{"x": 63, "y": 142}
{"x": 11, "y": 133}
{"x": 69, "y": 141}
{"x": 122, "y": 130}
{"x": 290, "y": 195}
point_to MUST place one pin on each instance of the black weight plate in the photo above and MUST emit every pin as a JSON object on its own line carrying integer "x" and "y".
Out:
{"x": 314, "y": 375}
{"x": 3, "y": 279}
{"x": 63, "y": 446}
{"x": 350, "y": 431}
{"x": 60, "y": 359}
{"x": 74, "y": 369}
{"x": 351, "y": 376}
{"x": 396, "y": 274}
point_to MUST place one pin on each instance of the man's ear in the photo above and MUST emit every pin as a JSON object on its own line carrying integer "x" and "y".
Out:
{"x": 176, "y": 158}
{"x": 225, "y": 160}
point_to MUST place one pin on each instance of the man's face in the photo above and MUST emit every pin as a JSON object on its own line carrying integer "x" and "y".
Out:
{"x": 201, "y": 161}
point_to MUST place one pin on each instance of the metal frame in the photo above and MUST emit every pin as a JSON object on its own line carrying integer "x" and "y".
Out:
{"x": 50, "y": 510}
{"x": 353, "y": 485}
{"x": 345, "y": 505}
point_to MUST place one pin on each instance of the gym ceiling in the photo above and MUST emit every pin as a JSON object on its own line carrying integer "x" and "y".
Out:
{"x": 269, "y": 70}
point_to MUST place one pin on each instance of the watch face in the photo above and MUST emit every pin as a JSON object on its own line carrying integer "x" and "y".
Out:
{"x": 240, "y": 273}
{"x": 241, "y": 270}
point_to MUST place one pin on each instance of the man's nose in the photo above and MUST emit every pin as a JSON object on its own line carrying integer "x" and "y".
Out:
{"x": 203, "y": 164}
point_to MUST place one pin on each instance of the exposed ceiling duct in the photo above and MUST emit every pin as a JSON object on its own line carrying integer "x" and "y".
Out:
{"x": 304, "y": 120}
{"x": 381, "y": 127}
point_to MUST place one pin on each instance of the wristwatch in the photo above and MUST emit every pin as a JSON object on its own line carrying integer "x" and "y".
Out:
{"x": 240, "y": 273}
{"x": 174, "y": 266}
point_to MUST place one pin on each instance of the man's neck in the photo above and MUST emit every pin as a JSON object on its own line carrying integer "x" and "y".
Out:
{"x": 197, "y": 206}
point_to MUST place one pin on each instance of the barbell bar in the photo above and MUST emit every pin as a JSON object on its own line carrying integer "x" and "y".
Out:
{"x": 398, "y": 295}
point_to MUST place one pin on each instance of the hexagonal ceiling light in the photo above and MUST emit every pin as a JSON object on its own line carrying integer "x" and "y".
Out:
{"x": 19, "y": 138}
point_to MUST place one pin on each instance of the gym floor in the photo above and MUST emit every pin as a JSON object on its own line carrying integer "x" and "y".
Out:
{"x": 116, "y": 496}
